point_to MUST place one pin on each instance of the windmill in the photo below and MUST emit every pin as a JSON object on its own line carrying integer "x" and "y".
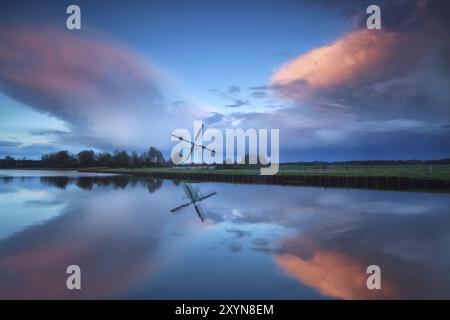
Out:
{"x": 194, "y": 143}
{"x": 193, "y": 193}
{"x": 195, "y": 196}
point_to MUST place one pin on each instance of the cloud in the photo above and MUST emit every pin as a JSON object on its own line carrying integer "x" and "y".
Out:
{"x": 336, "y": 135}
{"x": 332, "y": 274}
{"x": 401, "y": 16}
{"x": 369, "y": 87}
{"x": 349, "y": 61}
{"x": 233, "y": 90}
{"x": 394, "y": 72}
{"x": 326, "y": 240}
{"x": 9, "y": 144}
{"x": 66, "y": 70}
{"x": 332, "y": 258}
{"x": 213, "y": 118}
{"x": 238, "y": 103}
{"x": 113, "y": 261}
{"x": 20, "y": 256}
{"x": 263, "y": 88}
{"x": 239, "y": 233}
{"x": 180, "y": 103}
{"x": 30, "y": 151}
{"x": 258, "y": 95}
{"x": 46, "y": 132}
{"x": 109, "y": 95}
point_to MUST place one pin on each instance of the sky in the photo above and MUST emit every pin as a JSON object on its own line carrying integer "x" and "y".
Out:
{"x": 138, "y": 70}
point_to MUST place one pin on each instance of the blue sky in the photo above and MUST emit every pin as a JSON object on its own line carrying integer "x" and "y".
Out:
{"x": 139, "y": 70}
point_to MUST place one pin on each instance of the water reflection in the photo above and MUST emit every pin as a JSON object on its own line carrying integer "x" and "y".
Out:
{"x": 259, "y": 242}
{"x": 87, "y": 183}
{"x": 6, "y": 179}
{"x": 412, "y": 251}
{"x": 194, "y": 197}
{"x": 100, "y": 233}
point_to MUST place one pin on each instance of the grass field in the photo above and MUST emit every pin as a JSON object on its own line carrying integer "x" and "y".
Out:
{"x": 420, "y": 172}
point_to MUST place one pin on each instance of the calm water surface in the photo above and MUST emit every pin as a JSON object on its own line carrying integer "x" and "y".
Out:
{"x": 257, "y": 242}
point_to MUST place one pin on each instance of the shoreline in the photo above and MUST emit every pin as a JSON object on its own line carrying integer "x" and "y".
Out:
{"x": 287, "y": 178}
{"x": 313, "y": 180}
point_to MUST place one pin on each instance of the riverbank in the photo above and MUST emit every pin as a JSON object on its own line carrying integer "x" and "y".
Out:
{"x": 368, "y": 177}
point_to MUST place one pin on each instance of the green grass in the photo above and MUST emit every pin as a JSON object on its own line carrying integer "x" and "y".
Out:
{"x": 421, "y": 172}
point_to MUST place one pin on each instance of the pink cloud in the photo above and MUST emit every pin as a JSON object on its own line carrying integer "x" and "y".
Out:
{"x": 358, "y": 58}
{"x": 50, "y": 69}
{"x": 110, "y": 95}
{"x": 334, "y": 274}
{"x": 56, "y": 52}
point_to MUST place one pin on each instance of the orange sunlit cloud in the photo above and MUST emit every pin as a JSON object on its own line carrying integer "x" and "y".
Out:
{"x": 333, "y": 274}
{"x": 352, "y": 59}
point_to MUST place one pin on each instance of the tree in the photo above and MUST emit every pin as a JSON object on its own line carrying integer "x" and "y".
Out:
{"x": 135, "y": 160}
{"x": 86, "y": 158}
{"x": 154, "y": 157}
{"x": 104, "y": 159}
{"x": 61, "y": 159}
{"x": 9, "y": 162}
{"x": 46, "y": 159}
{"x": 121, "y": 159}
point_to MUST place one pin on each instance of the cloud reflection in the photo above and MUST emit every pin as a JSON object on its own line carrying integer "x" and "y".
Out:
{"x": 124, "y": 238}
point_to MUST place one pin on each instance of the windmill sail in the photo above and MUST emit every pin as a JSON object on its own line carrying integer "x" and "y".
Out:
{"x": 199, "y": 211}
{"x": 194, "y": 143}
{"x": 181, "y": 207}
{"x": 195, "y": 196}
{"x": 192, "y": 193}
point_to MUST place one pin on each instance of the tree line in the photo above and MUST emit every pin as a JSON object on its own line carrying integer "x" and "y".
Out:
{"x": 154, "y": 158}
{"x": 89, "y": 158}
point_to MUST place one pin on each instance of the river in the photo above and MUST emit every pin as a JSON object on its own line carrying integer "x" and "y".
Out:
{"x": 256, "y": 241}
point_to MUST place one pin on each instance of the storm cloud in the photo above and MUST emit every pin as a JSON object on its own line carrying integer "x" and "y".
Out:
{"x": 353, "y": 90}
{"x": 106, "y": 92}
{"x": 401, "y": 69}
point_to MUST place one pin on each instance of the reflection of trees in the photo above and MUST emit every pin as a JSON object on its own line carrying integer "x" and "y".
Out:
{"x": 154, "y": 184}
{"x": 120, "y": 181}
{"x": 10, "y": 179}
{"x": 87, "y": 183}
{"x": 59, "y": 182}
{"x": 7, "y": 179}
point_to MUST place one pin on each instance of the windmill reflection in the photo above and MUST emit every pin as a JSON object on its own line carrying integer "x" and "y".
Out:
{"x": 194, "y": 196}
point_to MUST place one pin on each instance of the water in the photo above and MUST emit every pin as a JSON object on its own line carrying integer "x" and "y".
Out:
{"x": 257, "y": 242}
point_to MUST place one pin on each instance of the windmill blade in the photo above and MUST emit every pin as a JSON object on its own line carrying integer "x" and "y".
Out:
{"x": 195, "y": 192}
{"x": 206, "y": 148}
{"x": 190, "y": 151}
{"x": 198, "y": 133}
{"x": 206, "y": 196}
{"x": 199, "y": 211}
{"x": 194, "y": 143}
{"x": 181, "y": 207}
{"x": 186, "y": 141}
{"x": 191, "y": 192}
{"x": 178, "y": 137}
{"x": 187, "y": 191}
